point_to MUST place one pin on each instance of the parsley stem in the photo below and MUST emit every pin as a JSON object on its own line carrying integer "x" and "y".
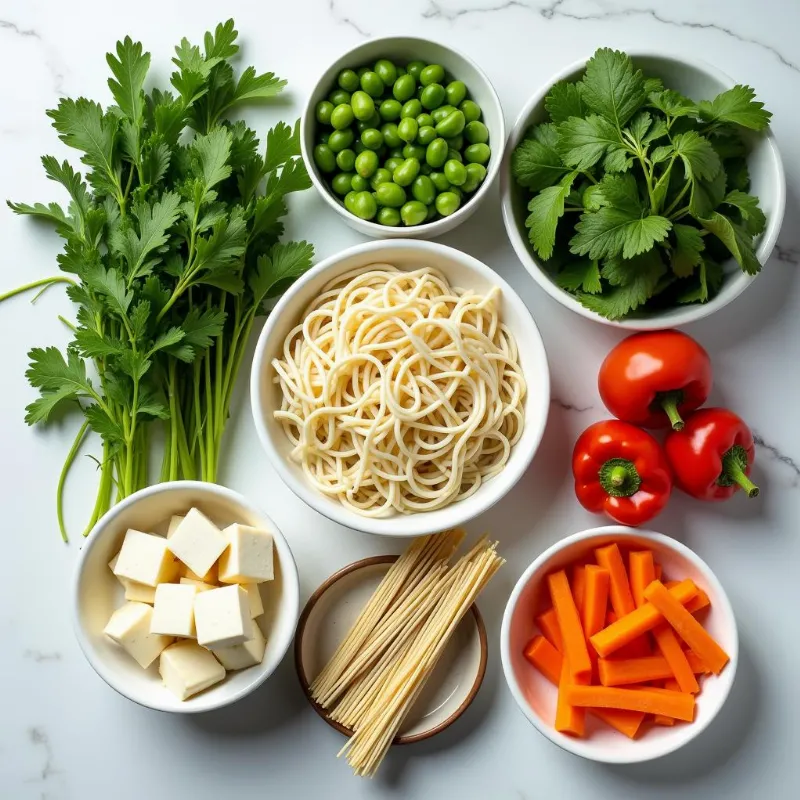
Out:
{"x": 73, "y": 452}
{"x": 674, "y": 204}
{"x": 45, "y": 282}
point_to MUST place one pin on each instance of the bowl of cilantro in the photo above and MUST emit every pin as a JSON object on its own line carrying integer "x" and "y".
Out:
{"x": 641, "y": 190}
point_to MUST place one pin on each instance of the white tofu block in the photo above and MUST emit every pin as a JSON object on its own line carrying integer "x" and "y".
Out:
{"x": 139, "y": 592}
{"x": 186, "y": 669}
{"x": 197, "y": 542}
{"x": 113, "y": 563}
{"x": 222, "y": 617}
{"x": 248, "y": 558}
{"x": 144, "y": 558}
{"x": 200, "y": 586}
{"x": 210, "y": 577}
{"x": 254, "y": 598}
{"x": 175, "y": 520}
{"x": 244, "y": 655}
{"x": 173, "y": 612}
{"x": 129, "y": 627}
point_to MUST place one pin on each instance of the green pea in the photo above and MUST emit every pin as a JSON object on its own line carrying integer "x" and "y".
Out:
{"x": 469, "y": 186}
{"x": 390, "y": 135}
{"x": 364, "y": 205}
{"x": 390, "y": 194}
{"x": 425, "y": 169}
{"x": 393, "y": 163}
{"x": 396, "y": 152}
{"x": 471, "y": 110}
{"x": 434, "y": 73}
{"x": 455, "y": 142}
{"x": 386, "y": 71}
{"x": 451, "y": 125}
{"x": 346, "y": 160}
{"x": 372, "y": 84}
{"x": 324, "y": 158}
{"x": 324, "y": 109}
{"x": 425, "y": 135}
{"x": 447, "y": 203}
{"x": 423, "y": 189}
{"x": 390, "y": 110}
{"x": 411, "y": 108}
{"x": 342, "y": 116}
{"x": 415, "y": 68}
{"x": 476, "y": 132}
{"x": 404, "y": 174}
{"x": 362, "y": 71}
{"x": 425, "y": 120}
{"x": 436, "y": 154}
{"x": 363, "y": 105}
{"x": 359, "y": 184}
{"x": 456, "y": 92}
{"x": 440, "y": 113}
{"x": 454, "y": 155}
{"x": 339, "y": 96}
{"x": 432, "y": 96}
{"x": 341, "y": 183}
{"x": 440, "y": 182}
{"x": 455, "y": 172}
{"x": 382, "y": 175}
{"x": 476, "y": 172}
{"x": 358, "y": 147}
{"x": 348, "y": 80}
{"x": 372, "y": 139}
{"x": 414, "y": 151}
{"x": 432, "y": 212}
{"x": 373, "y": 122}
{"x": 404, "y": 87}
{"x": 388, "y": 216}
{"x": 341, "y": 140}
{"x": 477, "y": 153}
{"x": 366, "y": 163}
{"x": 407, "y": 129}
{"x": 414, "y": 212}
{"x": 348, "y": 201}
{"x": 456, "y": 190}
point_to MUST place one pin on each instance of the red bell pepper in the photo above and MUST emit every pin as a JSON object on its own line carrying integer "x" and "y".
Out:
{"x": 654, "y": 379}
{"x": 621, "y": 470}
{"x": 712, "y": 456}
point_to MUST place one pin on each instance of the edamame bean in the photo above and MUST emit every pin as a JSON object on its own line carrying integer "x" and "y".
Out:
{"x": 404, "y": 174}
{"x": 456, "y": 91}
{"x": 390, "y": 110}
{"x": 372, "y": 84}
{"x": 451, "y": 125}
{"x": 447, "y": 203}
{"x": 348, "y": 201}
{"x": 433, "y": 73}
{"x": 342, "y": 116}
{"x": 390, "y": 194}
{"x": 411, "y": 108}
{"x": 339, "y": 96}
{"x": 373, "y": 122}
{"x": 340, "y": 140}
{"x": 440, "y": 113}
{"x": 346, "y": 160}
{"x": 425, "y": 120}
{"x": 455, "y": 172}
{"x": 440, "y": 181}
{"x": 386, "y": 71}
{"x": 436, "y": 154}
{"x": 390, "y": 136}
{"x": 432, "y": 96}
{"x": 476, "y": 172}
{"x": 414, "y": 151}
{"x": 393, "y": 163}
{"x": 382, "y": 175}
{"x": 366, "y": 163}
{"x": 477, "y": 153}
{"x": 425, "y": 135}
{"x": 454, "y": 154}
{"x": 348, "y": 80}
{"x": 372, "y": 139}
{"x": 404, "y": 87}
{"x": 455, "y": 142}
{"x": 388, "y": 216}
{"x": 364, "y": 205}
{"x": 476, "y": 132}
{"x": 324, "y": 158}
{"x": 423, "y": 189}
{"x": 414, "y": 212}
{"x": 414, "y": 69}
{"x": 341, "y": 183}
{"x": 456, "y": 190}
{"x": 362, "y": 104}
{"x": 359, "y": 184}
{"x": 471, "y": 110}
{"x": 323, "y": 112}
{"x": 407, "y": 129}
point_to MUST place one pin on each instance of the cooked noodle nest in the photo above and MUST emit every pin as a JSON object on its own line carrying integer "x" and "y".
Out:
{"x": 400, "y": 393}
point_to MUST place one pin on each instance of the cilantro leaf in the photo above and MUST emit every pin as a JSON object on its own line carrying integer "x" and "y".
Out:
{"x": 293, "y": 177}
{"x": 41, "y": 408}
{"x": 581, "y": 275}
{"x": 200, "y": 326}
{"x": 283, "y": 143}
{"x": 111, "y": 285}
{"x": 103, "y": 425}
{"x": 699, "y": 158}
{"x": 673, "y": 103}
{"x": 169, "y": 338}
{"x": 257, "y": 87}
{"x": 139, "y": 319}
{"x": 52, "y": 212}
{"x": 225, "y": 244}
{"x": 564, "y": 101}
{"x": 583, "y": 142}
{"x": 92, "y": 344}
{"x": 213, "y": 151}
{"x": 49, "y": 371}
{"x": 611, "y": 87}
{"x": 130, "y": 69}
{"x": 613, "y": 231}
{"x": 737, "y": 106}
{"x": 738, "y": 241}
{"x": 278, "y": 270}
{"x": 535, "y": 162}
{"x": 220, "y": 44}
{"x": 64, "y": 174}
{"x": 754, "y": 220}
{"x": 546, "y": 209}
{"x": 688, "y": 248}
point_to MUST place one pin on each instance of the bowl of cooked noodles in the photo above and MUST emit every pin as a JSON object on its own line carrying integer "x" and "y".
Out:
{"x": 400, "y": 387}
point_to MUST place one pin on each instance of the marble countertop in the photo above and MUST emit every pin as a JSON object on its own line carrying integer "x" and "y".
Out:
{"x": 65, "y": 734}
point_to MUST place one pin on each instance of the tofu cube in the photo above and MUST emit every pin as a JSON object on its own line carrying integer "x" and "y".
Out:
{"x": 197, "y": 542}
{"x": 222, "y": 617}
{"x": 244, "y": 655}
{"x": 174, "y": 521}
{"x": 129, "y": 627}
{"x": 200, "y": 586}
{"x": 139, "y": 592}
{"x": 144, "y": 558}
{"x": 248, "y": 558}
{"x": 186, "y": 669}
{"x": 210, "y": 577}
{"x": 173, "y": 613}
{"x": 254, "y": 598}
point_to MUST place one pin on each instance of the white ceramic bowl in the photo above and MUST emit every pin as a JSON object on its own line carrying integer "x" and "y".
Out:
{"x": 461, "y": 270}
{"x": 700, "y": 81}
{"x": 536, "y": 697}
{"x": 97, "y": 593}
{"x": 403, "y": 49}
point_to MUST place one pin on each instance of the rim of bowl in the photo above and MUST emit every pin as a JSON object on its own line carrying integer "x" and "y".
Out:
{"x": 584, "y": 748}
{"x": 690, "y": 313}
{"x": 439, "y": 226}
{"x": 458, "y": 512}
{"x": 291, "y": 592}
{"x": 306, "y": 684}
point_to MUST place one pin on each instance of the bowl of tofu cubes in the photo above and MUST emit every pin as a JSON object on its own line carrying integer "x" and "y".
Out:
{"x": 186, "y": 597}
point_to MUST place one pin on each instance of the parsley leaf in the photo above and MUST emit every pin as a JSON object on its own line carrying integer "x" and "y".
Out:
{"x": 583, "y": 142}
{"x": 535, "y": 163}
{"x": 704, "y": 284}
{"x": 754, "y": 220}
{"x": 688, "y": 248}
{"x": 699, "y": 157}
{"x": 581, "y": 275}
{"x": 130, "y": 69}
{"x": 546, "y": 209}
{"x": 278, "y": 270}
{"x": 257, "y": 87}
{"x": 564, "y": 101}
{"x": 611, "y": 87}
{"x": 613, "y": 231}
{"x": 738, "y": 241}
{"x": 737, "y": 106}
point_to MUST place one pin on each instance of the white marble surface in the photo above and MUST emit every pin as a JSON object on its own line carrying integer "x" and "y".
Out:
{"x": 65, "y": 734}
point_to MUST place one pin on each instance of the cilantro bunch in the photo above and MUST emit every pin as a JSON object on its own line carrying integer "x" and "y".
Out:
{"x": 637, "y": 192}
{"x": 171, "y": 248}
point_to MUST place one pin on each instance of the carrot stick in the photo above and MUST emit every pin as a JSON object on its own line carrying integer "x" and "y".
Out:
{"x": 671, "y": 649}
{"x": 618, "y": 672}
{"x": 657, "y": 570}
{"x": 569, "y": 719}
{"x": 643, "y": 619}
{"x": 697, "y": 603}
{"x": 696, "y": 663}
{"x": 610, "y": 558}
{"x": 648, "y": 699}
{"x": 659, "y": 719}
{"x": 687, "y": 627}
{"x": 595, "y": 599}
{"x": 575, "y": 649}
{"x": 611, "y": 617}
{"x": 579, "y": 585}
{"x": 642, "y": 572}
{"x": 548, "y": 625}
{"x": 545, "y": 658}
{"x": 626, "y": 722}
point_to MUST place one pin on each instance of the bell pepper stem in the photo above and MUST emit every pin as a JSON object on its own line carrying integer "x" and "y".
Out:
{"x": 669, "y": 402}
{"x": 734, "y": 464}
{"x": 619, "y": 478}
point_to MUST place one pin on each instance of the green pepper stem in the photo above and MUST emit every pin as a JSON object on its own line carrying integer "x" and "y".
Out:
{"x": 619, "y": 477}
{"x": 734, "y": 464}
{"x": 669, "y": 402}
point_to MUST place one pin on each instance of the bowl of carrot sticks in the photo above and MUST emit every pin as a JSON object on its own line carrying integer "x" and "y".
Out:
{"x": 619, "y": 645}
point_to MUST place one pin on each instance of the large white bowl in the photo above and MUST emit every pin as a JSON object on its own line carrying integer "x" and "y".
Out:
{"x": 700, "y": 81}
{"x": 536, "y": 697}
{"x": 97, "y": 594}
{"x": 403, "y": 49}
{"x": 461, "y": 270}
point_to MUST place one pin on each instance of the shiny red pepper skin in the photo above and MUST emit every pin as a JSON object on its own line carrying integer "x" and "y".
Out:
{"x": 696, "y": 453}
{"x": 646, "y": 365}
{"x": 612, "y": 440}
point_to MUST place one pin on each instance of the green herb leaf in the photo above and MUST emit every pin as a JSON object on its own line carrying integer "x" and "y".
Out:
{"x": 581, "y": 275}
{"x": 699, "y": 157}
{"x": 546, "y": 209}
{"x": 622, "y": 192}
{"x": 704, "y": 284}
{"x": 52, "y": 212}
{"x": 130, "y": 69}
{"x": 111, "y": 285}
{"x": 213, "y": 151}
{"x": 611, "y": 87}
{"x": 91, "y": 344}
{"x": 257, "y": 87}
{"x": 103, "y": 425}
{"x": 221, "y": 44}
{"x": 41, "y": 408}
{"x": 738, "y": 241}
{"x": 49, "y": 371}
{"x": 754, "y": 220}
{"x": 688, "y": 248}
{"x": 283, "y": 143}
{"x": 535, "y": 162}
{"x": 564, "y": 101}
{"x": 613, "y": 231}
{"x": 278, "y": 270}
{"x": 673, "y": 103}
{"x": 583, "y": 142}
{"x": 201, "y": 326}
{"x": 737, "y": 106}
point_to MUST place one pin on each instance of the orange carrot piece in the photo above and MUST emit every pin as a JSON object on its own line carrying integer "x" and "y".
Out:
{"x": 658, "y": 571}
{"x": 659, "y": 719}
{"x": 618, "y": 672}
{"x": 671, "y": 649}
{"x": 697, "y": 603}
{"x": 578, "y": 585}
{"x": 648, "y": 699}
{"x": 639, "y": 621}
{"x": 626, "y": 722}
{"x": 595, "y": 599}
{"x": 610, "y": 558}
{"x": 575, "y": 649}
{"x": 642, "y": 572}
{"x": 545, "y": 658}
{"x": 696, "y": 663}
{"x": 569, "y": 719}
{"x": 611, "y": 617}
{"x": 548, "y": 625}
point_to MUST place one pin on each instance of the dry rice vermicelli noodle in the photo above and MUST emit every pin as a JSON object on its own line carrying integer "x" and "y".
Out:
{"x": 399, "y": 392}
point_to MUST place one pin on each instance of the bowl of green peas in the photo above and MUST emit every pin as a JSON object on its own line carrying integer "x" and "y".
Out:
{"x": 403, "y": 137}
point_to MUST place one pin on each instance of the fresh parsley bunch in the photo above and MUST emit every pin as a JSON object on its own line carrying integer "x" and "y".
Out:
{"x": 171, "y": 248}
{"x": 652, "y": 188}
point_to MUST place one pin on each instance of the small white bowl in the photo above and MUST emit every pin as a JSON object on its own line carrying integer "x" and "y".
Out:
{"x": 536, "y": 697}
{"x": 461, "y": 270}
{"x": 700, "y": 81}
{"x": 403, "y": 49}
{"x": 97, "y": 594}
